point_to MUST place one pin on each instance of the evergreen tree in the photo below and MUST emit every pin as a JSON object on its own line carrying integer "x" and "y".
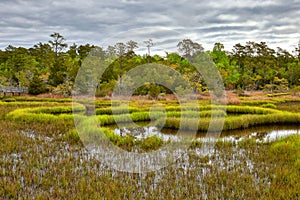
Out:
{"x": 36, "y": 86}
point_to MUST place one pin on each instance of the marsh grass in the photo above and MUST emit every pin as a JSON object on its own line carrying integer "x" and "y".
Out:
{"x": 36, "y": 99}
{"x": 116, "y": 110}
{"x": 249, "y": 110}
{"x": 123, "y": 118}
{"x": 289, "y": 106}
{"x": 248, "y": 116}
{"x": 52, "y": 165}
{"x": 233, "y": 122}
{"x": 278, "y": 94}
{"x": 269, "y": 105}
{"x": 31, "y": 104}
{"x": 193, "y": 114}
{"x": 35, "y": 115}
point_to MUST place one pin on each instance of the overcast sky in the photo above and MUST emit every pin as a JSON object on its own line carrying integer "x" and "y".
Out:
{"x": 277, "y": 22}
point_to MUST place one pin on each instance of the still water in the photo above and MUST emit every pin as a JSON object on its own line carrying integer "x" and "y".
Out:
{"x": 261, "y": 133}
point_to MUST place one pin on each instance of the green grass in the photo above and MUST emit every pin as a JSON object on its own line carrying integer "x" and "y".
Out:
{"x": 244, "y": 116}
{"x": 43, "y": 114}
{"x": 36, "y": 99}
{"x": 286, "y": 155}
{"x": 278, "y": 94}
{"x": 233, "y": 122}
{"x": 116, "y": 110}
{"x": 32, "y": 104}
{"x": 249, "y": 110}
{"x": 193, "y": 114}
{"x": 123, "y": 118}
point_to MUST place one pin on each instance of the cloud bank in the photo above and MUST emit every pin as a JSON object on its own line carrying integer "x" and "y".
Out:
{"x": 25, "y": 22}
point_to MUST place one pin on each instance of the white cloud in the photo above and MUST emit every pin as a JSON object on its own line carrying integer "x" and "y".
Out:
{"x": 26, "y": 22}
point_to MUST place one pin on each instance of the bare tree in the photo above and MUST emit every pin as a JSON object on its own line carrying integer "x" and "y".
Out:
{"x": 298, "y": 51}
{"x": 149, "y": 44}
{"x": 131, "y": 45}
{"x": 111, "y": 51}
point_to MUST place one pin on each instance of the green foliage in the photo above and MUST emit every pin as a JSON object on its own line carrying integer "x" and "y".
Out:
{"x": 253, "y": 66}
{"x": 106, "y": 88}
{"x": 180, "y": 91}
{"x": 64, "y": 89}
{"x": 37, "y": 86}
{"x": 293, "y": 73}
{"x": 58, "y": 72}
{"x": 154, "y": 90}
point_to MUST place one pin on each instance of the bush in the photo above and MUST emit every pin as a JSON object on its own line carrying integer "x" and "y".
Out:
{"x": 295, "y": 90}
{"x": 239, "y": 91}
{"x": 106, "y": 88}
{"x": 37, "y": 86}
{"x": 64, "y": 89}
{"x": 154, "y": 91}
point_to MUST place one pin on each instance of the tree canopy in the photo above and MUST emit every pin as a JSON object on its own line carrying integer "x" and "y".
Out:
{"x": 53, "y": 66}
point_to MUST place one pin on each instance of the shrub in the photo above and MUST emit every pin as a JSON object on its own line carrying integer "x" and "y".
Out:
{"x": 295, "y": 90}
{"x": 64, "y": 89}
{"x": 154, "y": 91}
{"x": 106, "y": 88}
{"x": 37, "y": 86}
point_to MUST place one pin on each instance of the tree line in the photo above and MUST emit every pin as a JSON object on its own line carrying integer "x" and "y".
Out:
{"x": 53, "y": 66}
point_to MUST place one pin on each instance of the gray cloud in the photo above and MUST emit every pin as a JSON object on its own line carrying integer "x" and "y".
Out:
{"x": 25, "y": 23}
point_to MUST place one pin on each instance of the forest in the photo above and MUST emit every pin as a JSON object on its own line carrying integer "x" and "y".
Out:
{"x": 53, "y": 66}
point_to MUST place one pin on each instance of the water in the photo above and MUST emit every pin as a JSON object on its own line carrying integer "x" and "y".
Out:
{"x": 144, "y": 132}
{"x": 263, "y": 133}
{"x": 48, "y": 156}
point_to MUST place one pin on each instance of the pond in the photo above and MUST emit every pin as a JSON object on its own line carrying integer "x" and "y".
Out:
{"x": 260, "y": 133}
